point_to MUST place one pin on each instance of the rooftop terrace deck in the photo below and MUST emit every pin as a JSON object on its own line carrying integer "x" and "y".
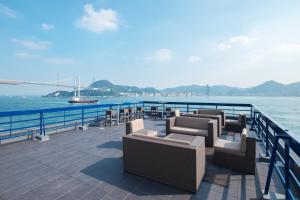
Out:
{"x": 88, "y": 165}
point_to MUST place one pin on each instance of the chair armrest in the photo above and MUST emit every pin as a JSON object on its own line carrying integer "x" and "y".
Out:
{"x": 128, "y": 128}
{"x": 251, "y": 148}
{"x": 212, "y": 133}
{"x": 169, "y": 124}
{"x": 223, "y": 118}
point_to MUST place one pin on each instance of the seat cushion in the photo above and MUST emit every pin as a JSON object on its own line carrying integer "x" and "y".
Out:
{"x": 194, "y": 140}
{"x": 189, "y": 131}
{"x": 244, "y": 135}
{"x": 229, "y": 147}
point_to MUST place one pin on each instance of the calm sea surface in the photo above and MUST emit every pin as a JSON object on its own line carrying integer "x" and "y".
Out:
{"x": 284, "y": 110}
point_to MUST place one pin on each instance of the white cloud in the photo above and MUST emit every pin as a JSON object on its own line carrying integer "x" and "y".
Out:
{"x": 161, "y": 55}
{"x": 276, "y": 55}
{"x": 47, "y": 27}
{"x": 33, "y": 45}
{"x": 45, "y": 59}
{"x": 4, "y": 10}
{"x": 98, "y": 21}
{"x": 235, "y": 41}
{"x": 194, "y": 59}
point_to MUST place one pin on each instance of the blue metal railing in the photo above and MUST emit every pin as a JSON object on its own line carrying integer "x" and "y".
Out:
{"x": 283, "y": 149}
{"x": 279, "y": 143}
{"x": 23, "y": 123}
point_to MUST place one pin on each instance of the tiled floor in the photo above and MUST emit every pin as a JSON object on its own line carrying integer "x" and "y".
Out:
{"x": 88, "y": 165}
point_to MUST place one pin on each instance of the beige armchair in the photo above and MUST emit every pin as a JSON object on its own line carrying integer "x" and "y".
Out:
{"x": 212, "y": 112}
{"x": 240, "y": 156}
{"x": 194, "y": 126}
{"x": 215, "y": 117}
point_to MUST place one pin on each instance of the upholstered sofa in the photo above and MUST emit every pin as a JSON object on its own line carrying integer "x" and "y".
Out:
{"x": 137, "y": 127}
{"x": 194, "y": 126}
{"x": 177, "y": 160}
{"x": 212, "y": 112}
{"x": 240, "y": 156}
{"x": 236, "y": 125}
{"x": 216, "y": 117}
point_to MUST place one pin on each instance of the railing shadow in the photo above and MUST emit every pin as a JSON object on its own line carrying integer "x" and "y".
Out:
{"x": 110, "y": 170}
{"x": 111, "y": 145}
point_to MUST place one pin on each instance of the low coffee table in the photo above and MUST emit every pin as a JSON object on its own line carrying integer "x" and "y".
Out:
{"x": 188, "y": 138}
{"x": 147, "y": 132}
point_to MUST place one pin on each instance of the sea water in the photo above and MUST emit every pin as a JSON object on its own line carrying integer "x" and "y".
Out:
{"x": 284, "y": 110}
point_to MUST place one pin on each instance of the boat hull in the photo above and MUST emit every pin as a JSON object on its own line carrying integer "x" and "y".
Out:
{"x": 83, "y": 101}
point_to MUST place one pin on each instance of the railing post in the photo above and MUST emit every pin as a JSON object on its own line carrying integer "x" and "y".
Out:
{"x": 253, "y": 119}
{"x": 41, "y": 123}
{"x": 97, "y": 114}
{"x": 187, "y": 108}
{"x": 162, "y": 110}
{"x": 267, "y": 137}
{"x": 118, "y": 115}
{"x": 272, "y": 162}
{"x": 82, "y": 117}
{"x": 64, "y": 118}
{"x": 287, "y": 167}
{"x": 10, "y": 124}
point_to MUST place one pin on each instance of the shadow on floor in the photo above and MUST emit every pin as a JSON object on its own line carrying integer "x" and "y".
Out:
{"x": 110, "y": 170}
{"x": 111, "y": 145}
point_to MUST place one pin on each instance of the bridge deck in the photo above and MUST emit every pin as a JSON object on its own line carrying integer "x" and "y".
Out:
{"x": 88, "y": 165}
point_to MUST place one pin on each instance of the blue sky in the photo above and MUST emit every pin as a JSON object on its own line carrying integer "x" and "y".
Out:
{"x": 149, "y": 43}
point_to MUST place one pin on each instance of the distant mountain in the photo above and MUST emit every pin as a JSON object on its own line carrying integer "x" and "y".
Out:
{"x": 106, "y": 88}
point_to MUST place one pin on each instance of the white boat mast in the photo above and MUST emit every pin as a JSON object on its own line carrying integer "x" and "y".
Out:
{"x": 78, "y": 87}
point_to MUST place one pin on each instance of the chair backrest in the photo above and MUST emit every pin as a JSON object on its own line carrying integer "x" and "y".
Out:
{"x": 210, "y": 111}
{"x": 192, "y": 122}
{"x": 168, "y": 109}
{"x": 136, "y": 125}
{"x": 242, "y": 120}
{"x": 110, "y": 113}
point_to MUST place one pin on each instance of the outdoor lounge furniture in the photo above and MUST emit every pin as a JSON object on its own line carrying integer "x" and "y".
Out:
{"x": 177, "y": 160}
{"x": 216, "y": 117}
{"x": 124, "y": 115}
{"x": 137, "y": 127}
{"x": 132, "y": 113}
{"x": 194, "y": 126}
{"x": 212, "y": 112}
{"x": 154, "y": 112}
{"x": 236, "y": 126}
{"x": 168, "y": 112}
{"x": 111, "y": 117}
{"x": 139, "y": 112}
{"x": 239, "y": 156}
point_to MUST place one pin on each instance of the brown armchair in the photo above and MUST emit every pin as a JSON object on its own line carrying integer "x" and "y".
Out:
{"x": 237, "y": 125}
